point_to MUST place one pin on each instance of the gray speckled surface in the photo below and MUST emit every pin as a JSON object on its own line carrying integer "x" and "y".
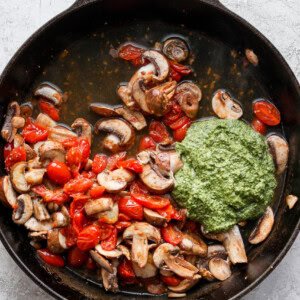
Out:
{"x": 278, "y": 20}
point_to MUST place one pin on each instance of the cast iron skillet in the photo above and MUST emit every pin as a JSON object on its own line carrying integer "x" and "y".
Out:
{"x": 72, "y": 51}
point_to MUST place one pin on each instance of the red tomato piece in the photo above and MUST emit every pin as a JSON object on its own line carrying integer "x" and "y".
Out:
{"x": 152, "y": 202}
{"x": 131, "y": 208}
{"x": 76, "y": 257}
{"x": 180, "y": 133}
{"x": 170, "y": 280}
{"x": 74, "y": 160}
{"x": 180, "y": 122}
{"x": 88, "y": 238}
{"x": 99, "y": 163}
{"x": 70, "y": 142}
{"x": 77, "y": 204}
{"x": 33, "y": 133}
{"x": 88, "y": 175}
{"x": 122, "y": 225}
{"x": 147, "y": 142}
{"x": 178, "y": 215}
{"x": 131, "y": 164}
{"x": 110, "y": 243}
{"x": 173, "y": 115}
{"x": 174, "y": 75}
{"x": 166, "y": 212}
{"x": 267, "y": 113}
{"x": 58, "y": 196}
{"x": 113, "y": 160}
{"x": 125, "y": 269}
{"x": 78, "y": 185}
{"x": 181, "y": 69}
{"x": 50, "y": 258}
{"x": 172, "y": 234}
{"x": 79, "y": 222}
{"x": 137, "y": 62}
{"x": 138, "y": 187}
{"x": 49, "y": 109}
{"x": 7, "y": 149}
{"x": 159, "y": 132}
{"x": 90, "y": 264}
{"x": 16, "y": 155}
{"x": 258, "y": 126}
{"x": 123, "y": 217}
{"x": 58, "y": 172}
{"x": 97, "y": 191}
{"x": 85, "y": 148}
{"x": 106, "y": 230}
{"x": 70, "y": 234}
{"x": 130, "y": 52}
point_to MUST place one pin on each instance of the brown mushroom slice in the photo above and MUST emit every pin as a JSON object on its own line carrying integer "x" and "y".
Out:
{"x": 103, "y": 110}
{"x": 24, "y": 211}
{"x": 140, "y": 233}
{"x": 160, "y": 63}
{"x": 7, "y": 193}
{"x": 83, "y": 129}
{"x": 18, "y": 141}
{"x": 139, "y": 95}
{"x": 51, "y": 151}
{"x": 60, "y": 133}
{"x": 252, "y": 57}
{"x": 219, "y": 268}
{"x": 17, "y": 175}
{"x": 148, "y": 271}
{"x": 26, "y": 110}
{"x": 56, "y": 242}
{"x": 34, "y": 225}
{"x": 193, "y": 244}
{"x": 109, "y": 216}
{"x": 30, "y": 153}
{"x": 110, "y": 280}
{"x": 8, "y": 131}
{"x": 154, "y": 218}
{"x": 263, "y": 227}
{"x": 168, "y": 161}
{"x": 216, "y": 250}
{"x": 185, "y": 284}
{"x": 49, "y": 91}
{"x": 45, "y": 121}
{"x": 225, "y": 106}
{"x": 188, "y": 95}
{"x": 121, "y": 129}
{"x": 38, "y": 236}
{"x": 100, "y": 260}
{"x": 116, "y": 253}
{"x": 279, "y": 150}
{"x": 291, "y": 200}
{"x": 35, "y": 176}
{"x": 135, "y": 118}
{"x": 98, "y": 205}
{"x": 40, "y": 211}
{"x": 164, "y": 271}
{"x": 125, "y": 251}
{"x": 61, "y": 218}
{"x": 176, "y": 295}
{"x": 158, "y": 98}
{"x": 176, "y": 49}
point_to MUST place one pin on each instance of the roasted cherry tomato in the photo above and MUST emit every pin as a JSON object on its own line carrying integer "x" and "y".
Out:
{"x": 74, "y": 160}
{"x": 77, "y": 257}
{"x": 123, "y": 217}
{"x": 147, "y": 142}
{"x": 77, "y": 205}
{"x": 180, "y": 123}
{"x": 170, "y": 280}
{"x": 267, "y": 113}
{"x": 174, "y": 75}
{"x": 85, "y": 148}
{"x": 181, "y": 69}
{"x": 159, "y": 132}
{"x": 97, "y": 191}
{"x": 58, "y": 172}
{"x": 16, "y": 155}
{"x": 88, "y": 175}
{"x": 152, "y": 202}
{"x": 99, "y": 163}
{"x": 131, "y": 208}
{"x": 70, "y": 234}
{"x": 173, "y": 115}
{"x": 180, "y": 133}
{"x": 90, "y": 264}
{"x": 258, "y": 126}
{"x": 88, "y": 238}
{"x": 50, "y": 258}
{"x": 78, "y": 185}
{"x": 130, "y": 52}
{"x": 110, "y": 243}
{"x": 58, "y": 196}
{"x": 49, "y": 109}
{"x": 33, "y": 133}
{"x": 79, "y": 221}
{"x": 138, "y": 187}
{"x": 113, "y": 160}
{"x": 172, "y": 234}
{"x": 122, "y": 225}
{"x": 131, "y": 164}
{"x": 7, "y": 149}
{"x": 125, "y": 269}
{"x": 166, "y": 212}
{"x": 179, "y": 215}
{"x": 70, "y": 142}
{"x": 106, "y": 230}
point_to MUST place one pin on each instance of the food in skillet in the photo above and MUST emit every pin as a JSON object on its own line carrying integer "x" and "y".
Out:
{"x": 164, "y": 218}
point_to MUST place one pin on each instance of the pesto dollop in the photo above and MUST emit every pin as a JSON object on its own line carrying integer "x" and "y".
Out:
{"x": 228, "y": 174}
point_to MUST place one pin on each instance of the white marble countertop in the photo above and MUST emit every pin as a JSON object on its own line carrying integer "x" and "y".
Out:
{"x": 278, "y": 20}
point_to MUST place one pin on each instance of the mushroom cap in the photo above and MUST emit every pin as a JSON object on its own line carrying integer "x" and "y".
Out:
{"x": 109, "y": 216}
{"x": 291, "y": 200}
{"x": 35, "y": 176}
{"x": 49, "y": 91}
{"x": 176, "y": 49}
{"x": 103, "y": 110}
{"x": 7, "y": 193}
{"x": 83, "y": 129}
{"x": 17, "y": 175}
{"x": 34, "y": 225}
{"x": 56, "y": 242}
{"x": 99, "y": 259}
{"x": 154, "y": 218}
{"x": 162, "y": 251}
{"x": 135, "y": 118}
{"x": 185, "y": 284}
{"x": 94, "y": 206}
{"x": 116, "y": 253}
{"x": 8, "y": 130}
{"x": 24, "y": 211}
{"x": 219, "y": 268}
{"x": 60, "y": 133}
{"x": 193, "y": 244}
{"x": 50, "y": 151}
{"x": 139, "y": 94}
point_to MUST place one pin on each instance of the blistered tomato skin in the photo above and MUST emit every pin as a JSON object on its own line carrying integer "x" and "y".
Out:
{"x": 267, "y": 113}
{"x": 258, "y": 126}
{"x": 58, "y": 172}
{"x": 50, "y": 258}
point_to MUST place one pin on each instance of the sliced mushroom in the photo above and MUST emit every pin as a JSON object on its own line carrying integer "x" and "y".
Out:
{"x": 30, "y": 153}
{"x": 279, "y": 150}
{"x": 115, "y": 181}
{"x": 148, "y": 271}
{"x": 61, "y": 218}
{"x": 116, "y": 253}
{"x": 109, "y": 216}
{"x": 40, "y": 211}
{"x": 60, "y": 133}
{"x": 263, "y": 227}
{"x": 35, "y": 176}
{"x": 45, "y": 121}
{"x": 125, "y": 251}
{"x": 139, "y": 94}
{"x": 219, "y": 268}
{"x": 18, "y": 141}
{"x": 98, "y": 205}
{"x": 34, "y": 225}
{"x": 155, "y": 286}
{"x": 251, "y": 56}
{"x": 51, "y": 151}
{"x": 103, "y": 110}
{"x": 168, "y": 161}
{"x": 176, "y": 49}
{"x": 163, "y": 255}
{"x": 225, "y": 106}
{"x": 7, "y": 193}
{"x": 100, "y": 260}
{"x": 154, "y": 218}
{"x": 193, "y": 244}
{"x": 110, "y": 280}
{"x": 160, "y": 63}
{"x": 291, "y": 200}
{"x": 135, "y": 118}
{"x": 26, "y": 110}
{"x": 216, "y": 250}
{"x": 83, "y": 129}
{"x": 24, "y": 211}
{"x": 188, "y": 96}
{"x": 185, "y": 284}
{"x": 56, "y": 242}
{"x": 53, "y": 207}
{"x": 17, "y": 175}
{"x": 38, "y": 236}
{"x": 140, "y": 233}
{"x": 8, "y": 131}
{"x": 119, "y": 128}
{"x": 176, "y": 295}
{"x": 49, "y": 91}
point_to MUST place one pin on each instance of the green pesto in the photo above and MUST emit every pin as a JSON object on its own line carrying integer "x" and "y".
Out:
{"x": 228, "y": 174}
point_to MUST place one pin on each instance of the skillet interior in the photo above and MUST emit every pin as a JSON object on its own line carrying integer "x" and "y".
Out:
{"x": 89, "y": 74}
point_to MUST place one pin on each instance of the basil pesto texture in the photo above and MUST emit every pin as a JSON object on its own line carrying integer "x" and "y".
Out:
{"x": 228, "y": 174}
